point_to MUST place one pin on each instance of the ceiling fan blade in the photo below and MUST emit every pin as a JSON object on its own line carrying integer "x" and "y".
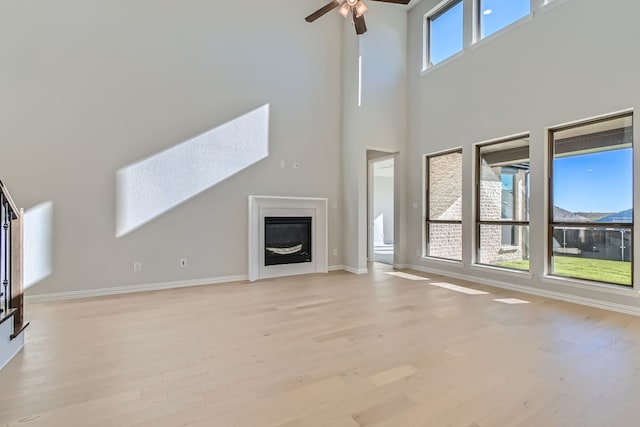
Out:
{"x": 358, "y": 21}
{"x": 323, "y": 10}
{"x": 394, "y": 1}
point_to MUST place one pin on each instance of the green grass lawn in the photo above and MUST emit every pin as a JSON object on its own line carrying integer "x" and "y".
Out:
{"x": 584, "y": 268}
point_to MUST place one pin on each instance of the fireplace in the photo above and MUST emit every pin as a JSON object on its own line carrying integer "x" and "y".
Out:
{"x": 311, "y": 257}
{"x": 287, "y": 240}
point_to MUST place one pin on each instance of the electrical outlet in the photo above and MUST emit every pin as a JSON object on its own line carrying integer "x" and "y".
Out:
{"x": 137, "y": 266}
{"x": 296, "y": 165}
{"x": 335, "y": 252}
{"x": 415, "y": 205}
{"x": 183, "y": 263}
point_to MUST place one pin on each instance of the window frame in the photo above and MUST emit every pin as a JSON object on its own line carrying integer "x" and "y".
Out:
{"x": 551, "y": 224}
{"x": 431, "y": 16}
{"x": 514, "y": 203}
{"x": 477, "y": 21}
{"x": 503, "y": 221}
{"x": 427, "y": 210}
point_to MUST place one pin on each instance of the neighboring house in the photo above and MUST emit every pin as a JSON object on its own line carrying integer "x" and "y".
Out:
{"x": 503, "y": 195}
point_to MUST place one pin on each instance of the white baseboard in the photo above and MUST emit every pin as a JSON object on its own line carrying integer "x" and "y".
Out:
{"x": 622, "y": 308}
{"x": 605, "y": 305}
{"x": 9, "y": 347}
{"x": 355, "y": 270}
{"x": 401, "y": 266}
{"x": 59, "y": 296}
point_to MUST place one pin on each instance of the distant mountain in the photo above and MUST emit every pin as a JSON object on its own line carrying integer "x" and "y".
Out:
{"x": 563, "y": 215}
{"x": 594, "y": 216}
{"x": 622, "y": 216}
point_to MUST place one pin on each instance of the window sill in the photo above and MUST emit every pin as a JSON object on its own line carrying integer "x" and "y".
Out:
{"x": 591, "y": 286}
{"x": 552, "y": 5}
{"x": 507, "y": 271}
{"x": 441, "y": 260}
{"x": 431, "y": 68}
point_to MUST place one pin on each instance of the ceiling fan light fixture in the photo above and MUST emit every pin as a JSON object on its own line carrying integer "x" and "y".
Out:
{"x": 361, "y": 8}
{"x": 344, "y": 9}
{"x": 355, "y": 8}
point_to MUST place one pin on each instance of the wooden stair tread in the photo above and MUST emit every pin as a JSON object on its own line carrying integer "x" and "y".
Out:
{"x": 9, "y": 314}
{"x": 19, "y": 331}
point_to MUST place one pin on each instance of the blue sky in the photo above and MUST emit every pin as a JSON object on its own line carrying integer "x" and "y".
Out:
{"x": 599, "y": 182}
{"x": 447, "y": 29}
{"x": 497, "y": 14}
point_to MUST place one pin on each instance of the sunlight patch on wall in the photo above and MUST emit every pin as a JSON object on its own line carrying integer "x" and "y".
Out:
{"x": 360, "y": 81}
{"x": 378, "y": 229}
{"x": 151, "y": 187}
{"x": 38, "y": 224}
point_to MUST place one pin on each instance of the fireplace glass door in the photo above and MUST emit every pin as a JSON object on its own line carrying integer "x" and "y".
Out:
{"x": 287, "y": 240}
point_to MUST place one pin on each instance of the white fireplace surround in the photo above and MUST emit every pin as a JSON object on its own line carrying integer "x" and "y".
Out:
{"x": 263, "y": 206}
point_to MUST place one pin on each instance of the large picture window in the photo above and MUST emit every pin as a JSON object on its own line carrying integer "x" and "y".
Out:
{"x": 494, "y": 15}
{"x": 444, "y": 206}
{"x": 591, "y": 201}
{"x": 503, "y": 203}
{"x": 444, "y": 33}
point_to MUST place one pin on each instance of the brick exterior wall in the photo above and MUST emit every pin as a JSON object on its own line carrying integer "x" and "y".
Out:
{"x": 445, "y": 203}
{"x": 445, "y": 186}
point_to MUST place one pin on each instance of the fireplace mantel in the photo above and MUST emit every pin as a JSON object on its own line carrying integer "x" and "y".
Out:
{"x": 263, "y": 206}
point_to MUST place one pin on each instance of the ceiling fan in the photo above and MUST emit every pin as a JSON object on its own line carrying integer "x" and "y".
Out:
{"x": 356, "y": 8}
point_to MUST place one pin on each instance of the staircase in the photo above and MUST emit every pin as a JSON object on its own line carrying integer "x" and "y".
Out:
{"x": 12, "y": 322}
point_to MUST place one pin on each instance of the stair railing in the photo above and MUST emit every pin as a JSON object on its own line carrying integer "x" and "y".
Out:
{"x": 11, "y": 261}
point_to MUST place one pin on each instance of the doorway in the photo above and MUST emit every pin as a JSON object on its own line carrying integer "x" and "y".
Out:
{"x": 381, "y": 208}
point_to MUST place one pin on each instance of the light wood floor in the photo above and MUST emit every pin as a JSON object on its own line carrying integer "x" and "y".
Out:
{"x": 337, "y": 350}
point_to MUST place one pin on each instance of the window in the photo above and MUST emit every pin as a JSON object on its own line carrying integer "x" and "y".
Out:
{"x": 444, "y": 205}
{"x": 508, "y": 201}
{"x": 494, "y": 15}
{"x": 591, "y": 201}
{"x": 444, "y": 33}
{"x": 503, "y": 203}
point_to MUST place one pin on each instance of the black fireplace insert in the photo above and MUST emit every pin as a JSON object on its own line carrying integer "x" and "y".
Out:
{"x": 287, "y": 239}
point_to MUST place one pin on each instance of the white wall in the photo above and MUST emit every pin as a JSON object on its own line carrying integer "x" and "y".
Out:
{"x": 383, "y": 204}
{"x": 379, "y": 123}
{"x": 572, "y": 60}
{"x": 88, "y": 87}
